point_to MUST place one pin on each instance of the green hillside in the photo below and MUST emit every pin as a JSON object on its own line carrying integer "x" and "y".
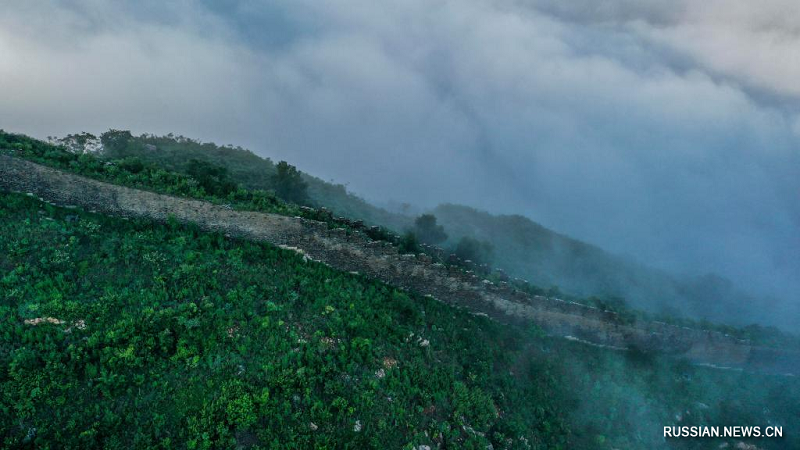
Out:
{"x": 246, "y": 168}
{"x": 523, "y": 248}
{"x": 117, "y": 333}
{"x": 121, "y": 334}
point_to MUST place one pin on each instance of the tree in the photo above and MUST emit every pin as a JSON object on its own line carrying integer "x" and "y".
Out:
{"x": 115, "y": 142}
{"x": 428, "y": 231}
{"x": 289, "y": 183}
{"x": 474, "y": 250}
{"x": 213, "y": 178}
{"x": 131, "y": 164}
{"x": 408, "y": 243}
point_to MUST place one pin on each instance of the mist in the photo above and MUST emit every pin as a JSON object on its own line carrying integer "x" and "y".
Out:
{"x": 664, "y": 131}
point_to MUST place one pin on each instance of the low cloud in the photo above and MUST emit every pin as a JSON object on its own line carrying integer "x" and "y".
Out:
{"x": 663, "y": 130}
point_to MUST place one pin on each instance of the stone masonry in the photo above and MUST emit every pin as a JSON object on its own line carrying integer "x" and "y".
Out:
{"x": 354, "y": 252}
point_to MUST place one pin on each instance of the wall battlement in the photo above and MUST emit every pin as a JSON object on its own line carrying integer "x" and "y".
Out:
{"x": 355, "y": 252}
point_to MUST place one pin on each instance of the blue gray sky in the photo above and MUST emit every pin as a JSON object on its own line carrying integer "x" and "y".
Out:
{"x": 665, "y": 130}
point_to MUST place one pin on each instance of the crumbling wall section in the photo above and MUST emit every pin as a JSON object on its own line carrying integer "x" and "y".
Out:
{"x": 355, "y": 252}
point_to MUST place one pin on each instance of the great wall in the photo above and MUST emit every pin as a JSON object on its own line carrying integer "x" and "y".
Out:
{"x": 355, "y": 252}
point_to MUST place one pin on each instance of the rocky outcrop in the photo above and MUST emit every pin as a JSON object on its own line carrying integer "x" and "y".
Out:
{"x": 354, "y": 252}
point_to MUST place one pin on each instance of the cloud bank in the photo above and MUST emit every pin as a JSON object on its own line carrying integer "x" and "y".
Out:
{"x": 664, "y": 130}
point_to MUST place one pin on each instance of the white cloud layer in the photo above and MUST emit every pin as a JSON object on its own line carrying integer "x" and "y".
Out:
{"x": 666, "y": 130}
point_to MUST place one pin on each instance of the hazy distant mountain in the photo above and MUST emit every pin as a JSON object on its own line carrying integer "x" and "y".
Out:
{"x": 528, "y": 250}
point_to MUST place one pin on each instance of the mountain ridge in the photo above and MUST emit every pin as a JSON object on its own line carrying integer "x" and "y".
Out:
{"x": 524, "y": 248}
{"x": 355, "y": 252}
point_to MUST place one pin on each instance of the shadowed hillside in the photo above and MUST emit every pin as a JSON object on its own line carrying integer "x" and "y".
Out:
{"x": 546, "y": 258}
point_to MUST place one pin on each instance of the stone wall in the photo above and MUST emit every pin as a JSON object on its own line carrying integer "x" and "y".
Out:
{"x": 354, "y": 252}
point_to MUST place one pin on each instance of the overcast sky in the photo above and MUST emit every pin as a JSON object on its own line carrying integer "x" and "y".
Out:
{"x": 663, "y": 129}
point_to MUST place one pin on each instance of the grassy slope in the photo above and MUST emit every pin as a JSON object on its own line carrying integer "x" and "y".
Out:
{"x": 605, "y": 280}
{"x": 159, "y": 176}
{"x": 193, "y": 340}
{"x": 607, "y": 400}
{"x": 253, "y": 172}
{"x": 522, "y": 247}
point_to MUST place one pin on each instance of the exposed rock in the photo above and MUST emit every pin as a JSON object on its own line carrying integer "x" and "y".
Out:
{"x": 389, "y": 363}
{"x": 40, "y": 320}
{"x": 79, "y": 324}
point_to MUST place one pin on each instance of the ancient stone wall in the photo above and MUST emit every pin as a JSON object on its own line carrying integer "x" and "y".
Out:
{"x": 354, "y": 252}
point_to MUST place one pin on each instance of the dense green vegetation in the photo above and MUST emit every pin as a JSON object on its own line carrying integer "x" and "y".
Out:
{"x": 197, "y": 178}
{"x": 289, "y": 183}
{"x": 200, "y": 180}
{"x": 140, "y": 162}
{"x": 157, "y": 335}
{"x": 123, "y": 334}
{"x": 251, "y": 171}
{"x": 514, "y": 243}
{"x": 136, "y": 162}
